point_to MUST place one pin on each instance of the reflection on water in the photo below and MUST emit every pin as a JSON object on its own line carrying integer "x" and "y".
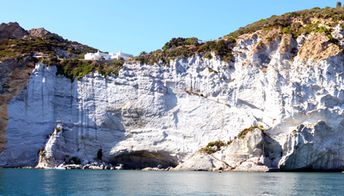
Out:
{"x": 77, "y": 182}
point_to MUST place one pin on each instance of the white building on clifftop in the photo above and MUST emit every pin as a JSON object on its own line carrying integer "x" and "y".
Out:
{"x": 98, "y": 56}
{"x": 119, "y": 55}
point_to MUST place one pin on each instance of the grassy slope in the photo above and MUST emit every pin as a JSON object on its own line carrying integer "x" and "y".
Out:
{"x": 294, "y": 23}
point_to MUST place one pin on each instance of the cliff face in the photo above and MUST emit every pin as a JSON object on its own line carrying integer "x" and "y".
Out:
{"x": 145, "y": 108}
{"x": 278, "y": 104}
{"x": 14, "y": 75}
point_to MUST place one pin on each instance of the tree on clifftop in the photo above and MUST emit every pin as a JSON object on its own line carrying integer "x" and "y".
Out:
{"x": 339, "y": 4}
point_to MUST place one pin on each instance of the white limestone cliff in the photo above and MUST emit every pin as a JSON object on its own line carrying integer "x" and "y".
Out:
{"x": 167, "y": 113}
{"x": 315, "y": 146}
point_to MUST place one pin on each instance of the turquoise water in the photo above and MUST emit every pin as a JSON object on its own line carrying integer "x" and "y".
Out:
{"x": 77, "y": 182}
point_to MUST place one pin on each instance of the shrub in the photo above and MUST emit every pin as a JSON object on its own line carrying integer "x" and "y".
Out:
{"x": 187, "y": 47}
{"x": 58, "y": 129}
{"x": 76, "y": 69}
{"x": 287, "y": 23}
{"x": 244, "y": 132}
{"x": 213, "y": 147}
{"x": 221, "y": 48}
{"x": 208, "y": 56}
{"x": 177, "y": 42}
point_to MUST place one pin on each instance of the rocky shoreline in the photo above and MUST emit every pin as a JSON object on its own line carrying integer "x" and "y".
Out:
{"x": 252, "y": 151}
{"x": 170, "y": 169}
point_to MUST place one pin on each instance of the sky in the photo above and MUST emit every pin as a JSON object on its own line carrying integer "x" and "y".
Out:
{"x": 133, "y": 26}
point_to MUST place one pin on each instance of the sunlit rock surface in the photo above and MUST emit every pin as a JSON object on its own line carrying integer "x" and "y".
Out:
{"x": 168, "y": 113}
{"x": 315, "y": 146}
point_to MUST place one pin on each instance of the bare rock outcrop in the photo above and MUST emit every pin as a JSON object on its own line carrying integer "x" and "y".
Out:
{"x": 11, "y": 30}
{"x": 45, "y": 34}
{"x": 252, "y": 151}
{"x": 314, "y": 147}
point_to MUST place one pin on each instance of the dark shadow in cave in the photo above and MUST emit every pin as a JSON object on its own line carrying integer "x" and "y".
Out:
{"x": 143, "y": 158}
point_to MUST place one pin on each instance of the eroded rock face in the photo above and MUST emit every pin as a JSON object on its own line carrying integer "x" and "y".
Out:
{"x": 44, "y": 34}
{"x": 314, "y": 147}
{"x": 145, "y": 108}
{"x": 14, "y": 75}
{"x": 50, "y": 155}
{"x": 180, "y": 108}
{"x": 316, "y": 46}
{"x": 201, "y": 162}
{"x": 254, "y": 151}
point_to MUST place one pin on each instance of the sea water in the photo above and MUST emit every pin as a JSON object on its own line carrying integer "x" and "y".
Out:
{"x": 107, "y": 182}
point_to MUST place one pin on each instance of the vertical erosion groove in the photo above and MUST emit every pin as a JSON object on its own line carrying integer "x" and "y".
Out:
{"x": 3, "y": 124}
{"x": 16, "y": 80}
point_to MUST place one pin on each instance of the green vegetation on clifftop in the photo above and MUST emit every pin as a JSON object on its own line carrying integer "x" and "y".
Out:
{"x": 187, "y": 47}
{"x": 56, "y": 51}
{"x": 76, "y": 69}
{"x": 12, "y": 48}
{"x": 294, "y": 23}
{"x": 67, "y": 55}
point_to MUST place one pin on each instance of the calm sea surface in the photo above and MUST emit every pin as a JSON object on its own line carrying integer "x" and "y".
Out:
{"x": 77, "y": 182}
